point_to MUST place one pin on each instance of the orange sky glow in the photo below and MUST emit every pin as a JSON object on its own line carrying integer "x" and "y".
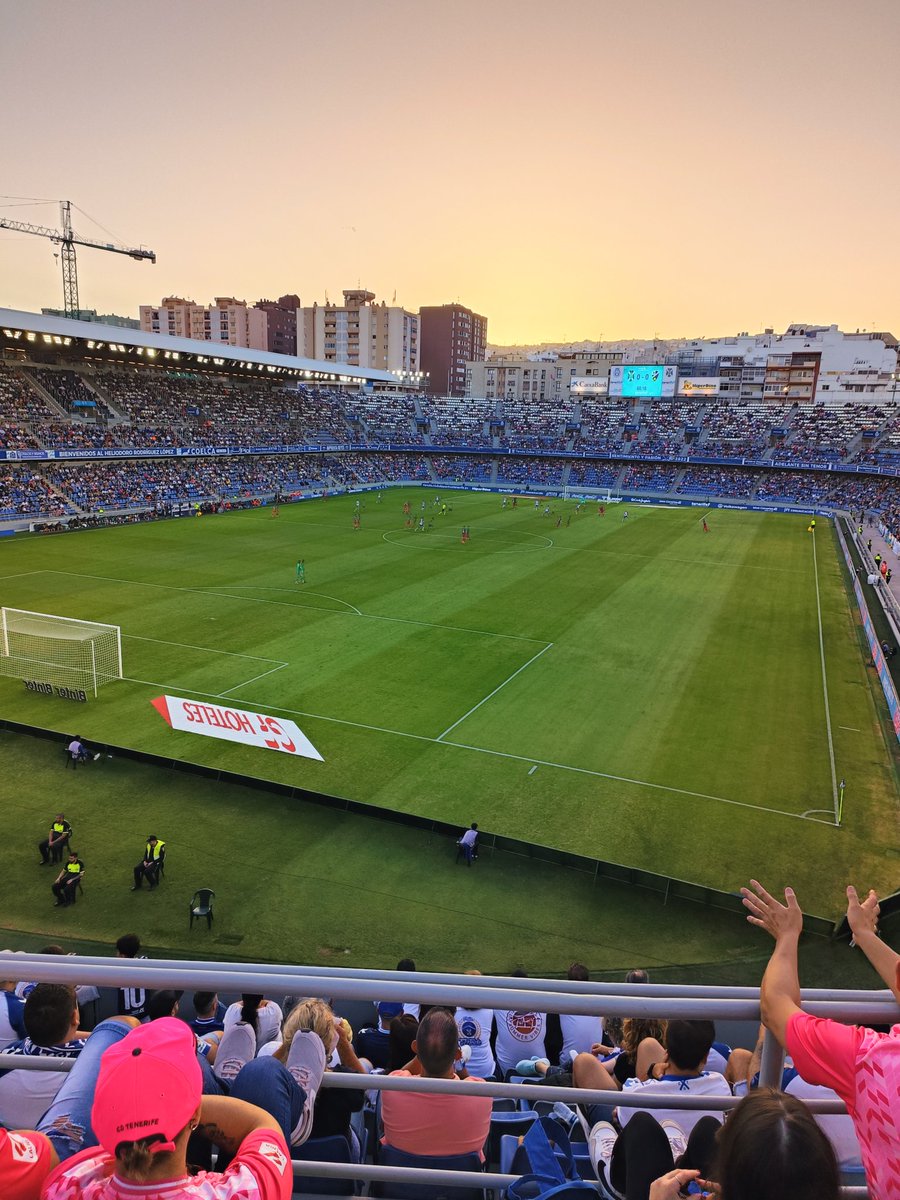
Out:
{"x": 582, "y": 170}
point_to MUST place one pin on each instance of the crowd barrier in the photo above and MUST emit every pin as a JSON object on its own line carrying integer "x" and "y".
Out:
{"x": 543, "y": 995}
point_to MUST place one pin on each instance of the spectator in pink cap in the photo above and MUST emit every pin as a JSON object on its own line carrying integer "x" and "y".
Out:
{"x": 147, "y": 1103}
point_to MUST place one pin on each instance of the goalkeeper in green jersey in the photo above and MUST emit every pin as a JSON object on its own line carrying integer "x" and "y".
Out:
{"x": 300, "y": 575}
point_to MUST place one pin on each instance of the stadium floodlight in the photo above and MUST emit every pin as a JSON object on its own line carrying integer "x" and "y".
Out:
{"x": 62, "y": 651}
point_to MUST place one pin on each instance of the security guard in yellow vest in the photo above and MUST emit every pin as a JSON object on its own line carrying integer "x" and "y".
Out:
{"x": 56, "y": 841}
{"x": 66, "y": 883}
{"x": 154, "y": 856}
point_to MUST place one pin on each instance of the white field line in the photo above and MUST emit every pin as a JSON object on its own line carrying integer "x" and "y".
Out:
{"x": 419, "y": 737}
{"x": 168, "y": 587}
{"x": 134, "y": 637}
{"x": 663, "y": 787}
{"x": 834, "y": 787}
{"x": 20, "y": 575}
{"x": 254, "y": 587}
{"x": 247, "y": 682}
{"x": 475, "y": 707}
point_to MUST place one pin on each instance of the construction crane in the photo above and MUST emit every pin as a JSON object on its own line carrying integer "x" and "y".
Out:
{"x": 67, "y": 240}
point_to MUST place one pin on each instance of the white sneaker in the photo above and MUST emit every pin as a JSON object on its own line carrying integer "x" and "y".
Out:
{"x": 237, "y": 1047}
{"x": 601, "y": 1143}
{"x": 677, "y": 1138}
{"x": 96, "y": 756}
{"x": 306, "y": 1064}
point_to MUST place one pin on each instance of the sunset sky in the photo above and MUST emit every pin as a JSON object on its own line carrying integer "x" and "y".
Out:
{"x": 584, "y": 169}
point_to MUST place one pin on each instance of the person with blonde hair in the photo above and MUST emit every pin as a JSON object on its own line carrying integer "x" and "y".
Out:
{"x": 334, "y": 1107}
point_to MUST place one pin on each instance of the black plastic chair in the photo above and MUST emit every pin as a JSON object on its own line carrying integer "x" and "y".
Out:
{"x": 202, "y": 906}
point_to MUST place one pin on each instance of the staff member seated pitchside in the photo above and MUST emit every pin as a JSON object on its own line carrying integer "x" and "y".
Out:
{"x": 151, "y": 864}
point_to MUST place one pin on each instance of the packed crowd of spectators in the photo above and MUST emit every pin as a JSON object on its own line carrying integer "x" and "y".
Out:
{"x": 548, "y": 472}
{"x": 463, "y": 467}
{"x": 718, "y": 481}
{"x": 380, "y": 419}
{"x": 602, "y": 424}
{"x": 68, "y": 390}
{"x": 456, "y": 421}
{"x": 739, "y": 429}
{"x": 24, "y": 493}
{"x": 152, "y": 1081}
{"x": 535, "y": 425}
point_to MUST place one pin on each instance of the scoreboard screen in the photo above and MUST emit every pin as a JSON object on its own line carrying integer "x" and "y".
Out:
{"x": 634, "y": 381}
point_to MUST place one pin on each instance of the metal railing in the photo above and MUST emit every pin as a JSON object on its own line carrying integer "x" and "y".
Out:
{"x": 542, "y": 995}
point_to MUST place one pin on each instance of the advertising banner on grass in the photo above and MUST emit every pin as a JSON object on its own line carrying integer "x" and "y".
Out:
{"x": 235, "y": 725}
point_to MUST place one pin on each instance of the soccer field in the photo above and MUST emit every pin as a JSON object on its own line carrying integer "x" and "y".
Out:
{"x": 636, "y": 690}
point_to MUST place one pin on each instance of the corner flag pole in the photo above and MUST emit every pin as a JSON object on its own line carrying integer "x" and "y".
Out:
{"x": 841, "y": 802}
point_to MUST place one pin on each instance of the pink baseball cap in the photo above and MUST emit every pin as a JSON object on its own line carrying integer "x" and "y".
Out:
{"x": 150, "y": 1084}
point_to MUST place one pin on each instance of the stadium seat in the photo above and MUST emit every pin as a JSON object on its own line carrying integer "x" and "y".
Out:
{"x": 504, "y": 1123}
{"x": 391, "y": 1157}
{"x": 334, "y": 1149}
{"x": 202, "y": 906}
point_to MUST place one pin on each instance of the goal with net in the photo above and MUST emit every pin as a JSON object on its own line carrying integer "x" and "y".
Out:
{"x": 59, "y": 650}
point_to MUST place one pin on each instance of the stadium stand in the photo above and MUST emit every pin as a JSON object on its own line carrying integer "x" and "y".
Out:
{"x": 252, "y": 440}
{"x": 259, "y": 1062}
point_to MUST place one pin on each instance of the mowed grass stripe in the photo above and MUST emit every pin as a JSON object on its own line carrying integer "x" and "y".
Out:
{"x": 651, "y": 621}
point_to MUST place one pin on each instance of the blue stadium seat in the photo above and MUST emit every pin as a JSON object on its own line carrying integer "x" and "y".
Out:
{"x": 390, "y": 1157}
{"x": 335, "y": 1149}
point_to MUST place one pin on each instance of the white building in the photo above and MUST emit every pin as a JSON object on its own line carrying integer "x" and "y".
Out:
{"x": 228, "y": 322}
{"x": 360, "y": 332}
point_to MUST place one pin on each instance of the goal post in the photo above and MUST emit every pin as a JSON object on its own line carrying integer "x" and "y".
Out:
{"x": 63, "y": 651}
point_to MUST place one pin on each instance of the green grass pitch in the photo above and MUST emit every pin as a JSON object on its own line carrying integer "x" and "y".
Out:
{"x": 636, "y": 690}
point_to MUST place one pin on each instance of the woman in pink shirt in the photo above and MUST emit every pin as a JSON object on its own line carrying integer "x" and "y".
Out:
{"x": 862, "y": 1066}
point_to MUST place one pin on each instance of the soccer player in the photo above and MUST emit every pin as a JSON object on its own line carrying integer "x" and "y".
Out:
{"x": 568, "y": 520}
{"x": 515, "y": 501}
{"x": 559, "y": 521}
{"x": 705, "y": 526}
{"x": 378, "y": 497}
{"x": 300, "y": 573}
{"x": 421, "y": 525}
{"x": 356, "y": 520}
{"x": 275, "y": 512}
{"x": 625, "y": 515}
{"x": 602, "y": 510}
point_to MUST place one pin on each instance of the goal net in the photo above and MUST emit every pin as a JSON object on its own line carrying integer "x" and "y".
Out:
{"x": 59, "y": 650}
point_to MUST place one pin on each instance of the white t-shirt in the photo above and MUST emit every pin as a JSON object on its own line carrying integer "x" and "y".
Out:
{"x": 519, "y": 1035}
{"x": 10, "y": 1004}
{"x": 837, "y": 1128}
{"x": 269, "y": 1017}
{"x": 579, "y": 1034}
{"x": 474, "y": 1026}
{"x": 26, "y": 1095}
{"x": 710, "y": 1083}
{"x": 469, "y": 838}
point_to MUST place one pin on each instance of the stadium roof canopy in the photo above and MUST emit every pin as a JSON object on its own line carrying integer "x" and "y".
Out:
{"x": 58, "y": 338}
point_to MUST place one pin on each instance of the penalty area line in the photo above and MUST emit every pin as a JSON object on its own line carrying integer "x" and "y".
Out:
{"x": 247, "y": 682}
{"x": 536, "y": 762}
{"x": 475, "y": 707}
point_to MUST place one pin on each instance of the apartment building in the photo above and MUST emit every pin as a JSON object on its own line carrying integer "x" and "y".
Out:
{"x": 360, "y": 332}
{"x": 450, "y": 336}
